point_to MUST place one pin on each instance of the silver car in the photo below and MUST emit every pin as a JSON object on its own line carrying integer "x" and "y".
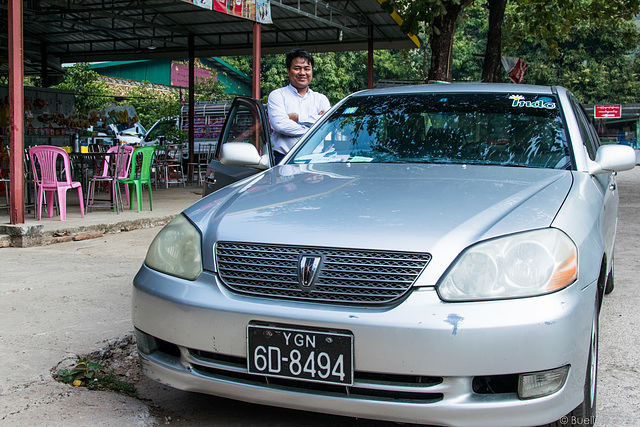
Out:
{"x": 431, "y": 254}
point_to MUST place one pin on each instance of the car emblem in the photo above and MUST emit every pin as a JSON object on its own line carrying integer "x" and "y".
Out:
{"x": 308, "y": 270}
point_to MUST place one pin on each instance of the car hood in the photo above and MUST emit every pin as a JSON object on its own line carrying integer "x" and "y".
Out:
{"x": 407, "y": 207}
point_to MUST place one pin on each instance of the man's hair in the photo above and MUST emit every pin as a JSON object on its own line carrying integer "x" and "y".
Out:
{"x": 298, "y": 53}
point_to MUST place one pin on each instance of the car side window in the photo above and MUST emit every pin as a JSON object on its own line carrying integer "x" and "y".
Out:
{"x": 589, "y": 137}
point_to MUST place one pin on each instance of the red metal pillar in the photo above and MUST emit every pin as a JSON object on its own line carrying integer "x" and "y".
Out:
{"x": 192, "y": 97}
{"x": 257, "y": 49}
{"x": 370, "y": 59}
{"x": 16, "y": 118}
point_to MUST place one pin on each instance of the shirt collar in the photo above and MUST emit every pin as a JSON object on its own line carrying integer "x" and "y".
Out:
{"x": 295, "y": 91}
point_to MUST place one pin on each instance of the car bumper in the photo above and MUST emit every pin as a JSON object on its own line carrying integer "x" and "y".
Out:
{"x": 192, "y": 336}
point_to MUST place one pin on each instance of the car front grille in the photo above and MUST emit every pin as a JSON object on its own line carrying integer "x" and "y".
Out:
{"x": 348, "y": 276}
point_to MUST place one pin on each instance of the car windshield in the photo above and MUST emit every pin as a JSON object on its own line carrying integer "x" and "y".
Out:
{"x": 161, "y": 129}
{"x": 487, "y": 129}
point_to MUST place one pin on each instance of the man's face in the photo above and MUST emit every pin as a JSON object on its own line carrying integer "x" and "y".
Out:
{"x": 300, "y": 73}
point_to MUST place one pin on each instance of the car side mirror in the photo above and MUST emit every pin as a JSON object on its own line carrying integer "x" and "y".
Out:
{"x": 243, "y": 155}
{"x": 613, "y": 158}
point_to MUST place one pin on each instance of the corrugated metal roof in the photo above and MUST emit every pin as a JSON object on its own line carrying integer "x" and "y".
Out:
{"x": 123, "y": 30}
{"x": 234, "y": 69}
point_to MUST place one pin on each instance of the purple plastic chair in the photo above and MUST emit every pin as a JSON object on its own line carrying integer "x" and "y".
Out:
{"x": 46, "y": 157}
{"x": 125, "y": 167}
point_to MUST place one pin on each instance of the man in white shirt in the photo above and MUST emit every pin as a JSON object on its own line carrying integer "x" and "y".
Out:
{"x": 293, "y": 109}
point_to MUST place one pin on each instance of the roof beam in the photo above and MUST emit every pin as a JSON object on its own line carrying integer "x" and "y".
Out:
{"x": 317, "y": 18}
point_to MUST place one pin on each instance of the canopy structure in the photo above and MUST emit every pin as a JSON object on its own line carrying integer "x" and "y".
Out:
{"x": 44, "y": 34}
{"x": 64, "y": 31}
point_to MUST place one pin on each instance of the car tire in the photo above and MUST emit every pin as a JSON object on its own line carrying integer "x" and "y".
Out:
{"x": 609, "y": 286}
{"x": 585, "y": 413}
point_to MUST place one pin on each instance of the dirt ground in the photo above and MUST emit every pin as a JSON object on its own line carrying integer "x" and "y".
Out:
{"x": 119, "y": 356}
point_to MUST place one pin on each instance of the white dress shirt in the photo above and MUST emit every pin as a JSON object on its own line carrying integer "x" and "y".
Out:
{"x": 285, "y": 101}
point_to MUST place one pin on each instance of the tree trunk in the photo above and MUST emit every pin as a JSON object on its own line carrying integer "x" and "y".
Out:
{"x": 441, "y": 42}
{"x": 492, "y": 67}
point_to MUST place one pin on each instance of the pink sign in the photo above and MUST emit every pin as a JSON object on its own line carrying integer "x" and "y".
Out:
{"x": 180, "y": 74}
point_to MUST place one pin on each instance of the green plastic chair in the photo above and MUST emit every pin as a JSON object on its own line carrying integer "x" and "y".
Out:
{"x": 143, "y": 176}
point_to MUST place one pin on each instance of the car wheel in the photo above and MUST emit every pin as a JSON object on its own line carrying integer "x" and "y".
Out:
{"x": 585, "y": 413}
{"x": 609, "y": 287}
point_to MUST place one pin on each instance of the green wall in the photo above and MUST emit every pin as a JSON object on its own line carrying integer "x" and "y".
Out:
{"x": 159, "y": 72}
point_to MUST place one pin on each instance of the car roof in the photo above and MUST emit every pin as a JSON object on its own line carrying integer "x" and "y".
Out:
{"x": 461, "y": 88}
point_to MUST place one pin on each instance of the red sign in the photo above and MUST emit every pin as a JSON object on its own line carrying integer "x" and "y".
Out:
{"x": 607, "y": 111}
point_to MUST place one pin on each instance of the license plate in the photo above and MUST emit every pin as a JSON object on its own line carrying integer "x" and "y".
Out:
{"x": 300, "y": 354}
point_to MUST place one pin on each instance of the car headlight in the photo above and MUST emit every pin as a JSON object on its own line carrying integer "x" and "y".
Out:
{"x": 519, "y": 265}
{"x": 176, "y": 250}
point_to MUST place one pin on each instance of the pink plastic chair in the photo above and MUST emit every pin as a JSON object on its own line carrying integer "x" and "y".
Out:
{"x": 125, "y": 167}
{"x": 46, "y": 156}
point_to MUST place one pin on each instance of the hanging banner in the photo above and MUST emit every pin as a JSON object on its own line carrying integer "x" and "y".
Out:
{"x": 254, "y": 10}
{"x": 206, "y": 4}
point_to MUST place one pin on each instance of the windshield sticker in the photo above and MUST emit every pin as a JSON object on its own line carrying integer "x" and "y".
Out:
{"x": 520, "y": 102}
{"x": 350, "y": 110}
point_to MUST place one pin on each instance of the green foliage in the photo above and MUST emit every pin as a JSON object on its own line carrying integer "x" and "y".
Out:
{"x": 421, "y": 15}
{"x": 112, "y": 382}
{"x": 33, "y": 81}
{"x": 469, "y": 43}
{"x": 174, "y": 136}
{"x": 594, "y": 62}
{"x": 91, "y": 93}
{"x": 336, "y": 74}
{"x": 152, "y": 105}
{"x": 437, "y": 19}
{"x": 550, "y": 20}
{"x": 84, "y": 371}
{"x": 588, "y": 46}
{"x": 210, "y": 90}
{"x": 93, "y": 376}
{"x": 273, "y": 74}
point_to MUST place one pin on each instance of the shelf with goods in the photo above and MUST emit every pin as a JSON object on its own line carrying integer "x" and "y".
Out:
{"x": 49, "y": 116}
{"x": 64, "y": 141}
{"x": 60, "y": 137}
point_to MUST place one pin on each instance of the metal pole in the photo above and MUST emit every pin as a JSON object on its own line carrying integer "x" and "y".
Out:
{"x": 44, "y": 69}
{"x": 16, "y": 115}
{"x": 257, "y": 42}
{"x": 370, "y": 59}
{"x": 192, "y": 97}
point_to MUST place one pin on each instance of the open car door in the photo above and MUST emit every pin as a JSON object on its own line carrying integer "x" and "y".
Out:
{"x": 246, "y": 122}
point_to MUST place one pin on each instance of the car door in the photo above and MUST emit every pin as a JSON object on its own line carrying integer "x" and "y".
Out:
{"x": 607, "y": 183}
{"x": 246, "y": 122}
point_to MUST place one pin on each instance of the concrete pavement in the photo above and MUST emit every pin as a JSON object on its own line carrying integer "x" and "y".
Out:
{"x": 60, "y": 301}
{"x": 166, "y": 204}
